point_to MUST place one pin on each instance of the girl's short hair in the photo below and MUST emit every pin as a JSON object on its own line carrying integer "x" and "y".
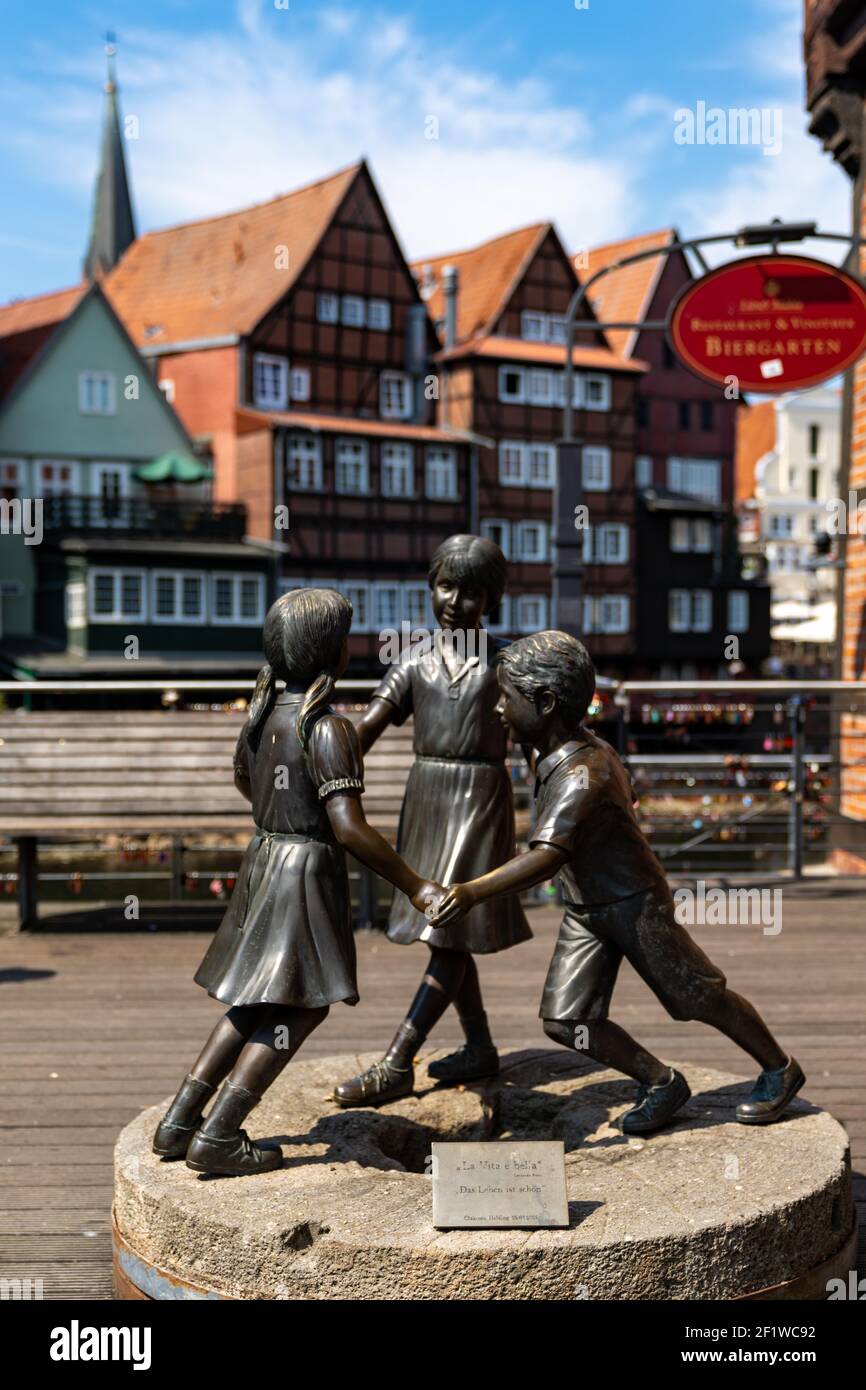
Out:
{"x": 471, "y": 560}
{"x": 552, "y": 661}
{"x": 303, "y": 640}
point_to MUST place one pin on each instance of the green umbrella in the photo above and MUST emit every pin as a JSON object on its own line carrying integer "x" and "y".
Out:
{"x": 174, "y": 468}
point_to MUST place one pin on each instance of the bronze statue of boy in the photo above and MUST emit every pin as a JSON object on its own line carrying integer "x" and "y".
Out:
{"x": 617, "y": 899}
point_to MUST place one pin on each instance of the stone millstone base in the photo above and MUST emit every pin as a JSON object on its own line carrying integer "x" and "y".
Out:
{"x": 705, "y": 1209}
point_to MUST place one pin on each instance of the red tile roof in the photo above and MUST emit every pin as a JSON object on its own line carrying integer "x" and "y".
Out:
{"x": 488, "y": 275}
{"x": 519, "y": 350}
{"x": 218, "y": 277}
{"x": 39, "y": 311}
{"x": 624, "y": 296}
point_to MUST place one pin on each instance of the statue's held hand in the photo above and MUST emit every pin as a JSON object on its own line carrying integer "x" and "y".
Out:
{"x": 457, "y": 900}
{"x": 428, "y": 898}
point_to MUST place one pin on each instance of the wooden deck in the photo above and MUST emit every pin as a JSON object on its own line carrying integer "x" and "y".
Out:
{"x": 96, "y": 1026}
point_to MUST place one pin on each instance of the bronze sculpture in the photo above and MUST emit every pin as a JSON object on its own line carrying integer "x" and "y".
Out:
{"x": 457, "y": 819}
{"x": 617, "y": 899}
{"x": 284, "y": 951}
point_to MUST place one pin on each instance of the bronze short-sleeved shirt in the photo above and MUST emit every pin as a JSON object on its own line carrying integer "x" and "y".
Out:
{"x": 454, "y": 714}
{"x": 584, "y": 805}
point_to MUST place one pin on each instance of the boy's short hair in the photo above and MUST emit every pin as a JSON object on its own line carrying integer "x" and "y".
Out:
{"x": 552, "y": 661}
{"x": 474, "y": 560}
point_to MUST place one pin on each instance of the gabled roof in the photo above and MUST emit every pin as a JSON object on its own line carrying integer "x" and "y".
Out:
{"x": 39, "y": 311}
{"x": 488, "y": 276}
{"x": 553, "y": 354}
{"x": 217, "y": 278}
{"x": 625, "y": 296}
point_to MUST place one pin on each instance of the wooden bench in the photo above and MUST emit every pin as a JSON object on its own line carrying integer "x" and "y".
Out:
{"x": 69, "y": 775}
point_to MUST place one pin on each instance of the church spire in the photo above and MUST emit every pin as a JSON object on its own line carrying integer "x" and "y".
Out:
{"x": 112, "y": 228}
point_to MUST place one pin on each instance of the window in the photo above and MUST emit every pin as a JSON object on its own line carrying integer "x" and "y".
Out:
{"x": 606, "y": 613}
{"x": 270, "y": 382}
{"x": 707, "y": 415}
{"x": 11, "y": 479}
{"x": 691, "y": 536}
{"x": 397, "y": 471}
{"x": 417, "y": 609}
{"x": 166, "y": 386}
{"x": 300, "y": 384}
{"x": 814, "y": 440}
{"x": 690, "y": 610}
{"x": 500, "y": 618}
{"x": 781, "y": 525}
{"x": 738, "y": 611}
{"x": 56, "y": 479}
{"x": 511, "y": 384}
{"x": 177, "y": 597}
{"x": 441, "y": 472}
{"x": 596, "y": 469}
{"x": 695, "y": 478}
{"x": 387, "y": 606}
{"x": 606, "y": 544}
{"x": 378, "y": 314}
{"x": 540, "y": 387}
{"x": 327, "y": 308}
{"x": 596, "y": 392}
{"x": 643, "y": 471}
{"x": 702, "y": 536}
{"x": 352, "y": 311}
{"x": 814, "y": 474}
{"x": 358, "y": 594}
{"x": 351, "y": 466}
{"x": 685, "y": 415}
{"x": 542, "y": 465}
{"x": 793, "y": 477}
{"x": 680, "y": 535}
{"x": 499, "y": 531}
{"x": 533, "y": 327}
{"x": 512, "y": 463}
{"x": 237, "y": 599}
{"x": 395, "y": 396}
{"x": 531, "y": 541}
{"x": 76, "y": 603}
{"x": 556, "y": 330}
{"x": 303, "y": 463}
{"x": 116, "y": 595}
{"x": 532, "y": 613}
{"x": 96, "y": 393}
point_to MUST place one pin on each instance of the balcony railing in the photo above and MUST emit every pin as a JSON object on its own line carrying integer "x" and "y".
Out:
{"x": 161, "y": 518}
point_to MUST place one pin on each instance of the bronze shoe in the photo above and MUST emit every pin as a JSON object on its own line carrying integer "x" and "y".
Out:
{"x": 233, "y": 1157}
{"x": 468, "y": 1063}
{"x": 656, "y": 1105}
{"x": 772, "y": 1094}
{"x": 182, "y": 1118}
{"x": 377, "y": 1085}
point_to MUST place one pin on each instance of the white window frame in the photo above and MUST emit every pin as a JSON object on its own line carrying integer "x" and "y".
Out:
{"x": 379, "y": 315}
{"x": 492, "y": 524}
{"x": 532, "y": 555}
{"x": 702, "y": 539}
{"x": 680, "y": 535}
{"x": 277, "y": 399}
{"x": 378, "y": 589}
{"x": 117, "y": 614}
{"x": 504, "y": 624}
{"x": 363, "y": 460}
{"x": 548, "y": 451}
{"x": 522, "y": 458}
{"x": 178, "y": 618}
{"x": 237, "y": 619}
{"x": 416, "y": 589}
{"x": 352, "y": 311}
{"x": 702, "y": 599}
{"x": 689, "y": 618}
{"x": 524, "y": 622}
{"x": 352, "y": 589}
{"x": 529, "y": 335}
{"x": 695, "y": 477}
{"x": 738, "y": 598}
{"x": 597, "y": 615}
{"x": 310, "y": 442}
{"x": 643, "y": 471}
{"x": 596, "y": 379}
{"x": 540, "y": 389}
{"x": 71, "y": 490}
{"x": 405, "y": 468}
{"x": 520, "y": 396}
{"x": 299, "y": 384}
{"x": 445, "y": 465}
{"x": 12, "y": 475}
{"x": 106, "y": 379}
{"x": 76, "y": 603}
{"x": 596, "y": 455}
{"x": 327, "y": 307}
{"x": 596, "y": 539}
{"x": 404, "y": 381}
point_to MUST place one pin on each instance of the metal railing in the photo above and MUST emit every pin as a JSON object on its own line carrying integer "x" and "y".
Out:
{"x": 169, "y": 520}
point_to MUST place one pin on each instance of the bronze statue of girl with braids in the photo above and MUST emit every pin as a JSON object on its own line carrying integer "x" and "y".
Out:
{"x": 284, "y": 951}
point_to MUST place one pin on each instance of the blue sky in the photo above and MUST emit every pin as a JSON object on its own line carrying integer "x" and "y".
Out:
{"x": 543, "y": 110}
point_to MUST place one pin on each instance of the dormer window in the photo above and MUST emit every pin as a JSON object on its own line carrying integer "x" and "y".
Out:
{"x": 270, "y": 382}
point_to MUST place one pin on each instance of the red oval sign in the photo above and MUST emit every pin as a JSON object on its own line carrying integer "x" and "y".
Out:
{"x": 775, "y": 323}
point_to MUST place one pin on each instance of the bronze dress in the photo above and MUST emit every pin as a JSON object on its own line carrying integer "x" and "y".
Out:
{"x": 286, "y": 937}
{"x": 457, "y": 818}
